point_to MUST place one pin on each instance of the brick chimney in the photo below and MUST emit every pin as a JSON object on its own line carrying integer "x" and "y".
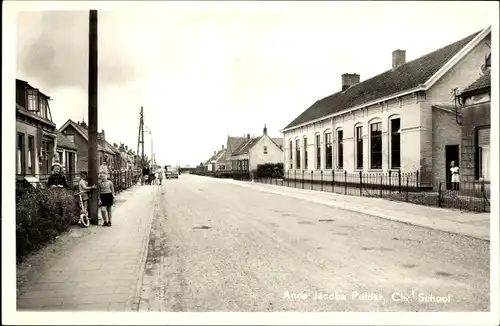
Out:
{"x": 398, "y": 58}
{"x": 222, "y": 146}
{"x": 248, "y": 136}
{"x": 126, "y": 147}
{"x": 349, "y": 80}
{"x": 265, "y": 129}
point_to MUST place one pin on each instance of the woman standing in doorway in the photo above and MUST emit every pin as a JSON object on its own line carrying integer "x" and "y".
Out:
{"x": 455, "y": 176}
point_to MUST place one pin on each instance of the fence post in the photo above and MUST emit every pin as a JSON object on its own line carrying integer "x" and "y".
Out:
{"x": 302, "y": 179}
{"x": 345, "y": 182}
{"x": 407, "y": 189}
{"x": 399, "y": 180}
{"x": 312, "y": 180}
{"x": 321, "y": 180}
{"x": 439, "y": 195}
{"x": 360, "y": 183}
{"x": 417, "y": 180}
{"x": 333, "y": 180}
{"x": 295, "y": 178}
{"x": 390, "y": 182}
{"x": 381, "y": 185}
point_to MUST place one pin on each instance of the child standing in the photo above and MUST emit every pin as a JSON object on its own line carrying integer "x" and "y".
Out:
{"x": 455, "y": 176}
{"x": 106, "y": 195}
{"x": 84, "y": 188}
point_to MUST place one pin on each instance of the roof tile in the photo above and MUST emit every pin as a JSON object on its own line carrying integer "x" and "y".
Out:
{"x": 405, "y": 77}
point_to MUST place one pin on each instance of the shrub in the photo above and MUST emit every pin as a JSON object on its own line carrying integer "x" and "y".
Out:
{"x": 41, "y": 215}
{"x": 269, "y": 170}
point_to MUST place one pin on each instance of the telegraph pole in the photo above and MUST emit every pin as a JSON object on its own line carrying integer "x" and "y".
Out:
{"x": 92, "y": 107}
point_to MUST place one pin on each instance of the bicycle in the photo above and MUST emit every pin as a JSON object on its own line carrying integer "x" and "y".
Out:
{"x": 84, "y": 214}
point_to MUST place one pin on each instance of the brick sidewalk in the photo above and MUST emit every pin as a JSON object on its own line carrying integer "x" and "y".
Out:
{"x": 101, "y": 272}
{"x": 476, "y": 225}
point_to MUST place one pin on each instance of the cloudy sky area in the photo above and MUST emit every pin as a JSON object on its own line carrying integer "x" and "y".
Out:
{"x": 202, "y": 73}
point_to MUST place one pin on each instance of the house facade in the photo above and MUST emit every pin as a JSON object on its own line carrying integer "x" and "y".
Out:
{"x": 77, "y": 133}
{"x": 400, "y": 120}
{"x": 36, "y": 133}
{"x": 66, "y": 156}
{"x": 476, "y": 127}
{"x": 256, "y": 150}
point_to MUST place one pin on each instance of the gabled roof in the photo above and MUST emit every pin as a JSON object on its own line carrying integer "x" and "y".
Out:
{"x": 482, "y": 84}
{"x": 64, "y": 142}
{"x": 222, "y": 157}
{"x": 81, "y": 130}
{"x": 235, "y": 142}
{"x": 245, "y": 147}
{"x": 406, "y": 77}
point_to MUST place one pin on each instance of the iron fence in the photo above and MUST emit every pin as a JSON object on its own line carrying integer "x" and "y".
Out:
{"x": 470, "y": 196}
{"x": 121, "y": 180}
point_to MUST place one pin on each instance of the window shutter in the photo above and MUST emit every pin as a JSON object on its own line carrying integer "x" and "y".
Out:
{"x": 483, "y": 137}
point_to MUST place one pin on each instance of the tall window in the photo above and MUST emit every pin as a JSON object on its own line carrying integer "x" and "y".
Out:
{"x": 328, "y": 150}
{"x": 45, "y": 157}
{"x": 483, "y": 143}
{"x": 359, "y": 147}
{"x": 340, "y": 144}
{"x": 291, "y": 154}
{"x": 376, "y": 145}
{"x": 20, "y": 158}
{"x": 43, "y": 107}
{"x": 297, "y": 154}
{"x": 31, "y": 154}
{"x": 318, "y": 152}
{"x": 305, "y": 154}
{"x": 32, "y": 97}
{"x": 395, "y": 144}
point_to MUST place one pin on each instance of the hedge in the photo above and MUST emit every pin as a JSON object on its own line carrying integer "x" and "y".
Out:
{"x": 268, "y": 170}
{"x": 41, "y": 215}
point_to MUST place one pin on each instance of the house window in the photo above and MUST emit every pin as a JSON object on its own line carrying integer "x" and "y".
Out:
{"x": 45, "y": 157}
{"x": 305, "y": 154}
{"x": 20, "y": 158}
{"x": 328, "y": 150}
{"x": 61, "y": 161}
{"x": 340, "y": 144}
{"x": 318, "y": 152}
{"x": 265, "y": 149}
{"x": 291, "y": 154}
{"x": 31, "y": 154}
{"x": 43, "y": 107}
{"x": 32, "y": 95}
{"x": 359, "y": 147}
{"x": 71, "y": 138}
{"x": 483, "y": 143}
{"x": 376, "y": 145}
{"x": 395, "y": 144}
{"x": 297, "y": 154}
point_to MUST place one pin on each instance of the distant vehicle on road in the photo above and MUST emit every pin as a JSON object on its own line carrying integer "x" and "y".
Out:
{"x": 172, "y": 172}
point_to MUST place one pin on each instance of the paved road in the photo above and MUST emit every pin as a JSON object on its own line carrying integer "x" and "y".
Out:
{"x": 216, "y": 246}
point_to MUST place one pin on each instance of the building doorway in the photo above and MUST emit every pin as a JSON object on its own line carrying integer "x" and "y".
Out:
{"x": 452, "y": 153}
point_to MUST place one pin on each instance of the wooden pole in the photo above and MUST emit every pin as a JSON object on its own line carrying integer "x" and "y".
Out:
{"x": 93, "y": 165}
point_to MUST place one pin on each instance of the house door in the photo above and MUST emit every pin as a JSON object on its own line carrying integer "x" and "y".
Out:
{"x": 452, "y": 153}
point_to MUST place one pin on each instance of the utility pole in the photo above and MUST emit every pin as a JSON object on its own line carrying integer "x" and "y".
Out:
{"x": 140, "y": 139}
{"x": 92, "y": 107}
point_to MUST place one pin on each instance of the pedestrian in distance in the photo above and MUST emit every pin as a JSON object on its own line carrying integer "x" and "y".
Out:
{"x": 106, "y": 196}
{"x": 160, "y": 175}
{"x": 455, "y": 176}
{"x": 84, "y": 188}
{"x": 57, "y": 179}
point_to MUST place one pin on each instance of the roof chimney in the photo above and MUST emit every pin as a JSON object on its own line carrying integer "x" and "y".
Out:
{"x": 222, "y": 146}
{"x": 349, "y": 80}
{"x": 215, "y": 152}
{"x": 265, "y": 129}
{"x": 126, "y": 147}
{"x": 398, "y": 58}
{"x": 248, "y": 136}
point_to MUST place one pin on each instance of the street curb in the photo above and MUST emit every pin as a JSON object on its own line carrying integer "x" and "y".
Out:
{"x": 133, "y": 303}
{"x": 350, "y": 208}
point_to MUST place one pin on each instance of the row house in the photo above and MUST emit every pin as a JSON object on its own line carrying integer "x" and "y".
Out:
{"x": 246, "y": 153}
{"x": 216, "y": 162}
{"x": 400, "y": 120}
{"x": 66, "y": 156}
{"x": 36, "y": 133}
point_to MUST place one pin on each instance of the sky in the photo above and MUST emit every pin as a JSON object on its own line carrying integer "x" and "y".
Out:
{"x": 206, "y": 71}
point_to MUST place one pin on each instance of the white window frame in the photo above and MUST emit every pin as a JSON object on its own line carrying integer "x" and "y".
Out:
{"x": 389, "y": 132}
{"x": 370, "y": 123}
